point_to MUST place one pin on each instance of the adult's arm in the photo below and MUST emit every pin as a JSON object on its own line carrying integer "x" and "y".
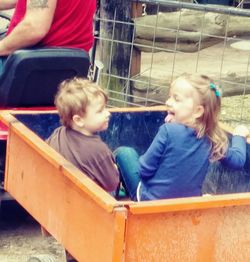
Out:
{"x": 7, "y": 4}
{"x": 32, "y": 29}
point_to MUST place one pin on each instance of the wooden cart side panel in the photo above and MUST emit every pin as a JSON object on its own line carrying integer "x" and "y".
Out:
{"x": 119, "y": 238}
{"x": 215, "y": 234}
{"x": 189, "y": 203}
{"x": 86, "y": 229}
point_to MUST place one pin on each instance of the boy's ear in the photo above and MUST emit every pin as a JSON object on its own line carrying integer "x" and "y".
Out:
{"x": 78, "y": 120}
{"x": 199, "y": 112}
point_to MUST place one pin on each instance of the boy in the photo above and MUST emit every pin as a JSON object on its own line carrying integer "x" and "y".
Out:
{"x": 81, "y": 105}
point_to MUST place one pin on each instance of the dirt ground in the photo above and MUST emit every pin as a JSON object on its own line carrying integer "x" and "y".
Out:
{"x": 21, "y": 239}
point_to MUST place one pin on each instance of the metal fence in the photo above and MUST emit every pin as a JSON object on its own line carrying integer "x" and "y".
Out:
{"x": 143, "y": 52}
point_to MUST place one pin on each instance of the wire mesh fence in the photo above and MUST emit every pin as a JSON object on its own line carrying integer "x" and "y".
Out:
{"x": 144, "y": 45}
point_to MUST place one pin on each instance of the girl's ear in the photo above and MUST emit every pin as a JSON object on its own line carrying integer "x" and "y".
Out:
{"x": 78, "y": 120}
{"x": 199, "y": 112}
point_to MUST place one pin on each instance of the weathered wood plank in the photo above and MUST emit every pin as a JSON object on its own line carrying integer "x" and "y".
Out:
{"x": 188, "y": 27}
{"x": 116, "y": 50}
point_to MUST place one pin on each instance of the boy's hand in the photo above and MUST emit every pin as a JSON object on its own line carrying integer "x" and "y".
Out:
{"x": 241, "y": 131}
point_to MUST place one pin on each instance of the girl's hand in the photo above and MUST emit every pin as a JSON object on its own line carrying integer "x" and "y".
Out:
{"x": 169, "y": 118}
{"x": 166, "y": 119}
{"x": 241, "y": 131}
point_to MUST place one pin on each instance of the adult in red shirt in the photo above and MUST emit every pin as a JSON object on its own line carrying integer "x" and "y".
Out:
{"x": 65, "y": 23}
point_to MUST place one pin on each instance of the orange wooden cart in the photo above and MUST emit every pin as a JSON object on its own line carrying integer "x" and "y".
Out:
{"x": 95, "y": 227}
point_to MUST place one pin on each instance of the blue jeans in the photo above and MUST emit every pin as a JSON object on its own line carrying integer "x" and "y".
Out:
{"x": 2, "y": 62}
{"x": 127, "y": 160}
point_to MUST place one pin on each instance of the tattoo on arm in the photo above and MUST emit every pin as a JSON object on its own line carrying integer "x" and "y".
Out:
{"x": 38, "y": 4}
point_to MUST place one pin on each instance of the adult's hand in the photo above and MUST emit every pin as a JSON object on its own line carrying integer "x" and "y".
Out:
{"x": 32, "y": 29}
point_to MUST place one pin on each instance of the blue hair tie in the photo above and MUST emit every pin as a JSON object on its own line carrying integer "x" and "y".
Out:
{"x": 213, "y": 87}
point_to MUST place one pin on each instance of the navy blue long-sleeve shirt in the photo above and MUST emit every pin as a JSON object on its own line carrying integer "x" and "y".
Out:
{"x": 176, "y": 163}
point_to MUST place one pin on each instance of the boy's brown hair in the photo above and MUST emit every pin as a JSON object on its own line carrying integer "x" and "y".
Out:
{"x": 73, "y": 97}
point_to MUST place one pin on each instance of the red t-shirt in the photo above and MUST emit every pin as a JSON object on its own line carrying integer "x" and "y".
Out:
{"x": 72, "y": 25}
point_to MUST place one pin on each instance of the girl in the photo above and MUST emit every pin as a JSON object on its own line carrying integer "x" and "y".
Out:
{"x": 176, "y": 163}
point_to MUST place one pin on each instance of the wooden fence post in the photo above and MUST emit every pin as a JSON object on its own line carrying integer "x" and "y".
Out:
{"x": 136, "y": 59}
{"x": 114, "y": 15}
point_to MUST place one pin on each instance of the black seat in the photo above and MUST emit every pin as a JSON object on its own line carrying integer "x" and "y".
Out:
{"x": 31, "y": 76}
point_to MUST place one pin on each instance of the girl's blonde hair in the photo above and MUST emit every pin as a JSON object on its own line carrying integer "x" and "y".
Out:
{"x": 208, "y": 123}
{"x": 73, "y": 97}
